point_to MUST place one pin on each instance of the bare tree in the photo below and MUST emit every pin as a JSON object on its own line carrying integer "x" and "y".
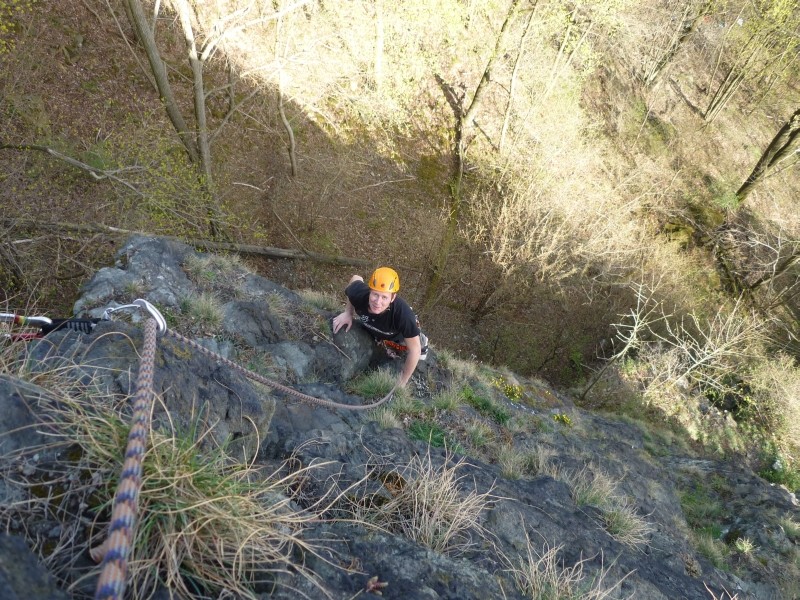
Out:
{"x": 781, "y": 148}
{"x": 682, "y": 28}
{"x": 758, "y": 43}
{"x": 196, "y": 139}
{"x": 465, "y": 114}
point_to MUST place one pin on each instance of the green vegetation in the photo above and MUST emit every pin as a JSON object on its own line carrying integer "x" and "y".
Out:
{"x": 673, "y": 282}
{"x": 428, "y": 432}
{"x": 375, "y": 384}
{"x": 702, "y": 509}
{"x": 479, "y": 433}
{"x": 511, "y": 391}
{"x": 563, "y": 418}
{"x": 203, "y": 311}
{"x": 485, "y": 406}
{"x": 11, "y": 13}
{"x": 447, "y": 400}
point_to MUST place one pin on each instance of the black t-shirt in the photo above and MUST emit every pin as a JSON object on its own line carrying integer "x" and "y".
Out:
{"x": 396, "y": 323}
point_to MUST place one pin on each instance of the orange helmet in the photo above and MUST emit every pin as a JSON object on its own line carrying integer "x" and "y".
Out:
{"x": 385, "y": 279}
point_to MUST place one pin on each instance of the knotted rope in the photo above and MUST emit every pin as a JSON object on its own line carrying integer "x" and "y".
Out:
{"x": 116, "y": 548}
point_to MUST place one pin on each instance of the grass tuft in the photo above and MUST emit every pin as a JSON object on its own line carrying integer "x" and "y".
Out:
{"x": 204, "y": 310}
{"x": 375, "y": 384}
{"x": 431, "y": 508}
{"x": 595, "y": 488}
{"x": 207, "y": 523}
{"x": 479, "y": 433}
{"x": 321, "y": 300}
{"x": 386, "y": 418}
{"x": 447, "y": 400}
{"x": 540, "y": 575}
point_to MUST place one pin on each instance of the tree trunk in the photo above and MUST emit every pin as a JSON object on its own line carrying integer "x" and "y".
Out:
{"x": 196, "y": 63}
{"x": 464, "y": 118}
{"x": 145, "y": 36}
{"x": 778, "y": 149}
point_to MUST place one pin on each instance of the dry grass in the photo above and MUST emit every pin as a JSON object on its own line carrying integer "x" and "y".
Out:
{"x": 541, "y": 461}
{"x": 479, "y": 433}
{"x": 213, "y": 268}
{"x": 207, "y": 522}
{"x": 593, "y": 487}
{"x": 625, "y": 524}
{"x": 203, "y": 310}
{"x": 514, "y": 463}
{"x": 386, "y": 418}
{"x": 540, "y": 575}
{"x": 298, "y": 320}
{"x": 321, "y": 300}
{"x": 725, "y": 595}
{"x": 462, "y": 370}
{"x": 434, "y": 506}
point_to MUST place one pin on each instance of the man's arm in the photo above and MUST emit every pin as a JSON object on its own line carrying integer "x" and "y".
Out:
{"x": 345, "y": 319}
{"x": 412, "y": 358}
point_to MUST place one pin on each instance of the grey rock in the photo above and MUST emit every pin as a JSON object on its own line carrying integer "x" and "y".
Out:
{"x": 22, "y": 576}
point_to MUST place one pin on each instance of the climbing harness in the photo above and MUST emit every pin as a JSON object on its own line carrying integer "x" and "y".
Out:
{"x": 115, "y": 549}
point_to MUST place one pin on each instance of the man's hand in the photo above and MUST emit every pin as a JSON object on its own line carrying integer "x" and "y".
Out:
{"x": 344, "y": 319}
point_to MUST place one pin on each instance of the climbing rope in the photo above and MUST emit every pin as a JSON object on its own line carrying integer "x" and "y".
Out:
{"x": 274, "y": 384}
{"x": 115, "y": 550}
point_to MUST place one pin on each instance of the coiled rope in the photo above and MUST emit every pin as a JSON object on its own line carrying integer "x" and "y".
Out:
{"x": 114, "y": 551}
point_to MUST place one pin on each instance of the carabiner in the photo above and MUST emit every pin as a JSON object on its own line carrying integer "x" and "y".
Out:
{"x": 144, "y": 305}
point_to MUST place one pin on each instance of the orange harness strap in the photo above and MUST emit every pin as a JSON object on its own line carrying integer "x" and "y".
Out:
{"x": 394, "y": 345}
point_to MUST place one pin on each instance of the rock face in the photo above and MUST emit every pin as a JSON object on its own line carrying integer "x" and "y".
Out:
{"x": 22, "y": 577}
{"x": 264, "y": 327}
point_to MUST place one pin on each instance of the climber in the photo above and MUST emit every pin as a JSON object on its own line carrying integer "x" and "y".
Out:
{"x": 387, "y": 317}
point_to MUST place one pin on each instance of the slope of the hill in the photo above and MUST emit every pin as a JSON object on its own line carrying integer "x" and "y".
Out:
{"x": 527, "y": 477}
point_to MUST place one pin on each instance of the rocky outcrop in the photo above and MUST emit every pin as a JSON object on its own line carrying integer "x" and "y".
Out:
{"x": 347, "y": 451}
{"x": 22, "y": 577}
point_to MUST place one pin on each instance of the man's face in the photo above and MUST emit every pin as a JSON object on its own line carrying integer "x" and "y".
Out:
{"x": 379, "y": 301}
